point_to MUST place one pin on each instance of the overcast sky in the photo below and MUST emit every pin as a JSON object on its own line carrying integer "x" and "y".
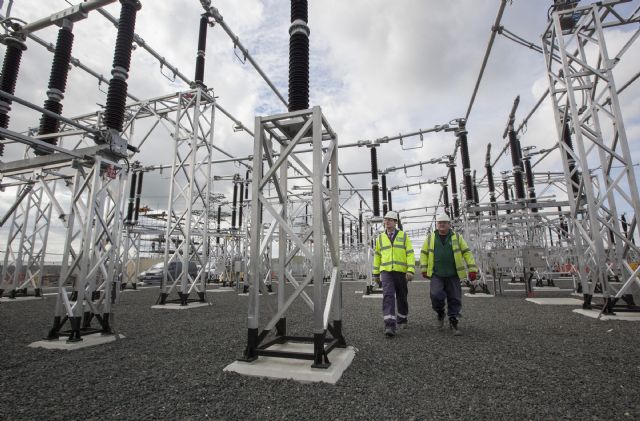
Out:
{"x": 378, "y": 68}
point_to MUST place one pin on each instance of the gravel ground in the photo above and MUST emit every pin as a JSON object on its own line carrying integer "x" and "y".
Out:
{"x": 516, "y": 360}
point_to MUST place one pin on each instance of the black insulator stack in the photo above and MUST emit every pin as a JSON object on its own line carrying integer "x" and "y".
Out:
{"x": 476, "y": 196}
{"x": 57, "y": 86}
{"x": 466, "y": 164}
{"x": 342, "y": 216}
{"x": 328, "y": 177}
{"x": 234, "y": 206}
{"x": 551, "y": 236}
{"x": 218, "y": 223}
{"x": 625, "y": 226}
{"x": 202, "y": 47}
{"x": 454, "y": 190}
{"x": 530, "y": 184}
{"x": 117, "y": 93}
{"x": 571, "y": 163}
{"x": 564, "y": 228}
{"x": 445, "y": 198}
{"x": 132, "y": 198}
{"x": 351, "y": 232}
{"x": 241, "y": 204}
{"x": 306, "y": 214}
{"x": 516, "y": 160}
{"x": 136, "y": 210}
{"x": 505, "y": 191}
{"x": 299, "y": 56}
{"x": 374, "y": 182}
{"x": 10, "y": 68}
{"x": 360, "y": 224}
{"x": 389, "y": 199}
{"x": 385, "y": 208}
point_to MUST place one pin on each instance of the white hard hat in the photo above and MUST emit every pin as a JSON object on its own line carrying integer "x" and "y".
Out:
{"x": 391, "y": 215}
{"x": 443, "y": 217}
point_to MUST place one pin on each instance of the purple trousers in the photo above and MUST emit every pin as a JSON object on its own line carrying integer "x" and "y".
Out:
{"x": 394, "y": 287}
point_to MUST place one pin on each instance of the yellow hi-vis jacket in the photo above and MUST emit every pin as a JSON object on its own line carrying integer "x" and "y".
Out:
{"x": 396, "y": 257}
{"x": 460, "y": 251}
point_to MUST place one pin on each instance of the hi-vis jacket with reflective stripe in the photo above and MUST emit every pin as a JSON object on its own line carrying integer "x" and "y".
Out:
{"x": 460, "y": 251}
{"x": 398, "y": 257}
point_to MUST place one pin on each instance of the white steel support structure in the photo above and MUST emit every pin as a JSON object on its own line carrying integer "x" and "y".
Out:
{"x": 293, "y": 132}
{"x": 91, "y": 248}
{"x": 188, "y": 208}
{"x": 585, "y": 97}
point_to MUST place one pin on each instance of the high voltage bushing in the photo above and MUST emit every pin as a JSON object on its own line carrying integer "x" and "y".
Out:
{"x": 490, "y": 181}
{"x": 454, "y": 188}
{"x": 351, "y": 232}
{"x": 530, "y": 184}
{"x": 57, "y": 84}
{"x": 218, "y": 224}
{"x": 564, "y": 228}
{"x": 299, "y": 56}
{"x": 384, "y": 194}
{"x": 360, "y": 224}
{"x": 374, "y": 182}
{"x": 476, "y": 196}
{"x": 132, "y": 198}
{"x": 202, "y": 47}
{"x": 342, "y": 216}
{"x": 461, "y": 133}
{"x": 389, "y": 199}
{"x": 10, "y": 67}
{"x": 117, "y": 93}
{"x": 235, "y": 202}
{"x": 328, "y": 177}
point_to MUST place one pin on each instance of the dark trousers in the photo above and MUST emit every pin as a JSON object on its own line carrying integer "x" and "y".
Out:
{"x": 448, "y": 289}
{"x": 394, "y": 288}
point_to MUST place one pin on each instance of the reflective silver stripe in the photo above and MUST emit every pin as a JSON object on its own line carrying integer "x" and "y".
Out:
{"x": 455, "y": 249}
{"x": 460, "y": 268}
{"x": 378, "y": 253}
{"x": 400, "y": 264}
{"x": 464, "y": 251}
{"x": 404, "y": 316}
{"x": 424, "y": 252}
{"x": 385, "y": 248}
{"x": 410, "y": 252}
{"x": 399, "y": 246}
{"x": 389, "y": 316}
{"x": 386, "y": 263}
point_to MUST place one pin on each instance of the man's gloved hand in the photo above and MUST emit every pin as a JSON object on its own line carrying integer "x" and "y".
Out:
{"x": 376, "y": 279}
{"x": 409, "y": 276}
{"x": 473, "y": 276}
{"x": 424, "y": 275}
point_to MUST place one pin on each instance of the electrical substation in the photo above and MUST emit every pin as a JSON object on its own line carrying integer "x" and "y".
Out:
{"x": 158, "y": 264}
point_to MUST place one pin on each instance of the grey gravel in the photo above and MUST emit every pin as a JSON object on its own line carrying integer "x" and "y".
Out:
{"x": 516, "y": 360}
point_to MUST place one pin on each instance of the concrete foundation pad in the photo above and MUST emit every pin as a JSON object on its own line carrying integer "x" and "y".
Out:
{"x": 13, "y": 300}
{"x": 298, "y": 370}
{"x": 555, "y": 301}
{"x": 478, "y": 295}
{"x": 359, "y": 292}
{"x": 372, "y": 296}
{"x": 578, "y": 294}
{"x": 621, "y": 315}
{"x": 130, "y": 290}
{"x": 421, "y": 281}
{"x": 176, "y": 306}
{"x": 87, "y": 341}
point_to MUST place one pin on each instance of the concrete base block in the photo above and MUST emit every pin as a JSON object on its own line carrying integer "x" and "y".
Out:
{"x": 621, "y": 315}
{"x": 478, "y": 295}
{"x": 87, "y": 341}
{"x": 177, "y": 306}
{"x": 17, "y": 299}
{"x": 555, "y": 301}
{"x": 298, "y": 370}
{"x": 372, "y": 296}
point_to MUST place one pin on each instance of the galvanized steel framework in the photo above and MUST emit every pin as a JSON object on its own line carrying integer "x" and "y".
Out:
{"x": 289, "y": 131}
{"x": 585, "y": 97}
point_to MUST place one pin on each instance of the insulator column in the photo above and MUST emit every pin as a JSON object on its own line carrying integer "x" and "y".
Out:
{"x": 531, "y": 189}
{"x": 445, "y": 197}
{"x": 389, "y": 200}
{"x": 571, "y": 163}
{"x": 343, "y": 232}
{"x": 241, "y": 195}
{"x": 516, "y": 160}
{"x": 375, "y": 192}
{"x": 136, "y": 209}
{"x": 461, "y": 133}
{"x": 57, "y": 84}
{"x": 505, "y": 189}
{"x": 384, "y": 194}
{"x": 299, "y": 56}
{"x": 234, "y": 206}
{"x": 218, "y": 224}
{"x": 476, "y": 196}
{"x": 490, "y": 181}
{"x": 202, "y": 47}
{"x": 454, "y": 188}
{"x": 132, "y": 198}
{"x": 360, "y": 224}
{"x": 10, "y": 67}
{"x": 351, "y": 232}
{"x": 117, "y": 93}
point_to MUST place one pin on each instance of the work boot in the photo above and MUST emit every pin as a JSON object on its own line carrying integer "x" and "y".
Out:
{"x": 440, "y": 321}
{"x": 453, "y": 324}
{"x": 404, "y": 324}
{"x": 389, "y": 332}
